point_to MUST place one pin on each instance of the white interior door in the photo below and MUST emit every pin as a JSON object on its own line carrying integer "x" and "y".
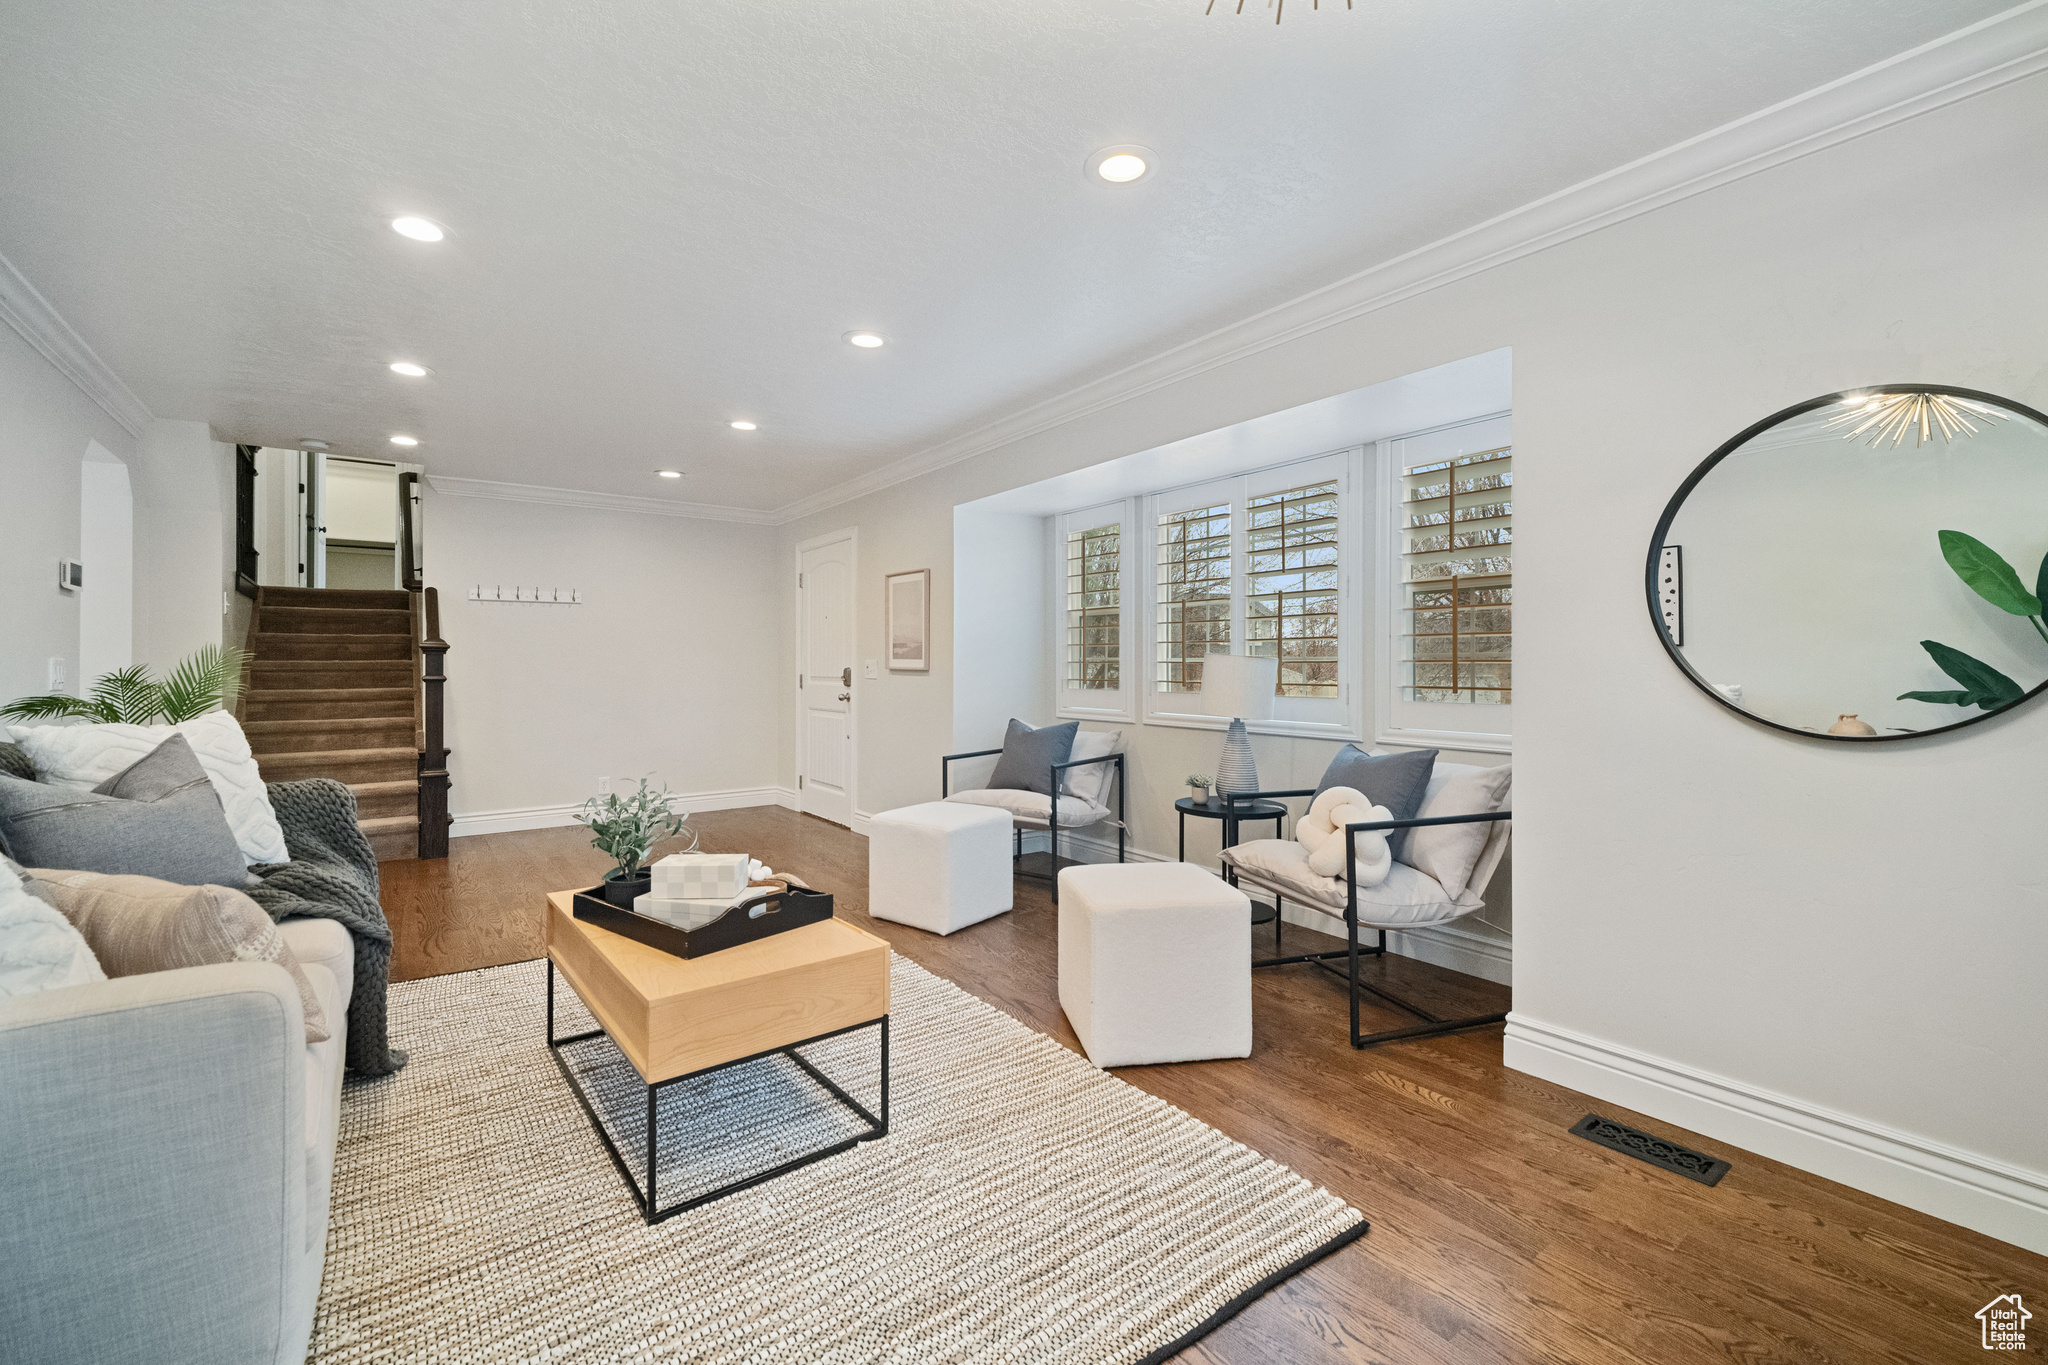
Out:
{"x": 824, "y": 760}
{"x": 313, "y": 506}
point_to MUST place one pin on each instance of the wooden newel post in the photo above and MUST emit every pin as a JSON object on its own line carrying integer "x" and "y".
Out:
{"x": 433, "y": 834}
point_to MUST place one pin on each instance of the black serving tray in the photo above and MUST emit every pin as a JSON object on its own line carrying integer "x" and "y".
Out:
{"x": 747, "y": 922}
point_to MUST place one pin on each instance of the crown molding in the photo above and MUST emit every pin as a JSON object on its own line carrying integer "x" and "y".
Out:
{"x": 2006, "y": 47}
{"x": 608, "y": 502}
{"x": 44, "y": 328}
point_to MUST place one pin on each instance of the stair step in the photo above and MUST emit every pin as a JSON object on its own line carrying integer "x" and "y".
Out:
{"x": 343, "y": 765}
{"x": 314, "y": 703}
{"x": 375, "y": 800}
{"x": 294, "y": 736}
{"x": 375, "y": 599}
{"x": 292, "y": 675}
{"x": 394, "y": 837}
{"x": 333, "y": 621}
{"x": 338, "y": 646}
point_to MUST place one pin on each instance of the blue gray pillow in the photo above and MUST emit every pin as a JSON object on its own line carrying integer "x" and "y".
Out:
{"x": 1397, "y": 781}
{"x": 1028, "y": 756}
{"x": 159, "y": 817}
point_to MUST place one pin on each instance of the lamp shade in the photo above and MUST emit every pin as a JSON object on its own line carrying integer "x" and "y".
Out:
{"x": 1240, "y": 686}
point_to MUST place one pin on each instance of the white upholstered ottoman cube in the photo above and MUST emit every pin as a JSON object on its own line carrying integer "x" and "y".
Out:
{"x": 940, "y": 866}
{"x": 1155, "y": 963}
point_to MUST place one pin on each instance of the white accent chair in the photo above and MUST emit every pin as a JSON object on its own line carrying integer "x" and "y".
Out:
{"x": 1440, "y": 877}
{"x": 1065, "y": 808}
{"x": 1152, "y": 963}
{"x": 939, "y": 866}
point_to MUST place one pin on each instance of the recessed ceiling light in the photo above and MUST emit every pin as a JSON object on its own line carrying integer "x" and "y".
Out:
{"x": 670, "y": 473}
{"x": 407, "y": 368}
{"x": 864, "y": 339}
{"x": 744, "y": 426}
{"x": 1121, "y": 165}
{"x": 419, "y": 229}
{"x": 405, "y": 440}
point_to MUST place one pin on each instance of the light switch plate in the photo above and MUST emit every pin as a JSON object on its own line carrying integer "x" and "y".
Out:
{"x": 869, "y": 669}
{"x": 59, "y": 677}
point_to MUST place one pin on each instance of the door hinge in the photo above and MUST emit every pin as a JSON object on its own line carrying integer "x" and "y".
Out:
{"x": 799, "y": 781}
{"x": 799, "y": 680}
{"x": 799, "y": 580}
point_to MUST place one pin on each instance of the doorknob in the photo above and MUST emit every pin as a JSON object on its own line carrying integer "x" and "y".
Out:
{"x": 846, "y": 677}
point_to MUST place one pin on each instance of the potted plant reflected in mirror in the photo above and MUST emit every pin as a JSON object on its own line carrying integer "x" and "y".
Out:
{"x": 626, "y": 828}
{"x": 1987, "y": 574}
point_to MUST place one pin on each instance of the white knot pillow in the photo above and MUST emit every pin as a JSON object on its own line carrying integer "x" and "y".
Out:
{"x": 1321, "y": 833}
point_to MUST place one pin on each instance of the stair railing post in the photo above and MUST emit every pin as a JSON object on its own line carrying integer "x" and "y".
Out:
{"x": 433, "y": 831}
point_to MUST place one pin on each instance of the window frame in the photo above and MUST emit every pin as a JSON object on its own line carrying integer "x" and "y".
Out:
{"x": 1340, "y": 717}
{"x": 1093, "y": 703}
{"x": 1396, "y": 720}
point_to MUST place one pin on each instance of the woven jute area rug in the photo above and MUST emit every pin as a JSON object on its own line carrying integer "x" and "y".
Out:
{"x": 1025, "y": 1207}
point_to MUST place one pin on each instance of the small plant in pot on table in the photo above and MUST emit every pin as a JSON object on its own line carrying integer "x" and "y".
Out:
{"x": 626, "y": 828}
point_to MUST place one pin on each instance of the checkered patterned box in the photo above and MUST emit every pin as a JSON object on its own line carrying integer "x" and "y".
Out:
{"x": 700, "y": 877}
{"x": 681, "y": 914}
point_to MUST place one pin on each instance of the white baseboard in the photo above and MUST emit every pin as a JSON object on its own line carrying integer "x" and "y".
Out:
{"x": 550, "y": 817}
{"x": 1990, "y": 1196}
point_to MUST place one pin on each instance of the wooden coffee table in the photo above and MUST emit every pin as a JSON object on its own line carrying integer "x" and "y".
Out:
{"x": 676, "y": 1019}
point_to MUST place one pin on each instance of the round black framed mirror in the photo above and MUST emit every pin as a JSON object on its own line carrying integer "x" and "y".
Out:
{"x": 1866, "y": 566}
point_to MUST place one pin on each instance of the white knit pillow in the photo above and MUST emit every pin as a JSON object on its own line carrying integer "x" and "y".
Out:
{"x": 39, "y": 948}
{"x": 84, "y": 756}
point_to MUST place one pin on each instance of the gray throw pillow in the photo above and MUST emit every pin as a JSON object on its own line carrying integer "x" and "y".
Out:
{"x": 1397, "y": 781}
{"x": 159, "y": 817}
{"x": 1028, "y": 756}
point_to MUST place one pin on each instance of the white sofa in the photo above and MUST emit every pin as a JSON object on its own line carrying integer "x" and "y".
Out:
{"x": 166, "y": 1156}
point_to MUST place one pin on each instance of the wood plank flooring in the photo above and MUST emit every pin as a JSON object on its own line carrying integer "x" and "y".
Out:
{"x": 1496, "y": 1235}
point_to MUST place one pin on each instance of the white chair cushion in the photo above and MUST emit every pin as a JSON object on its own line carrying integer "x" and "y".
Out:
{"x": 323, "y": 941}
{"x": 1033, "y": 808}
{"x": 83, "y": 756}
{"x": 1091, "y": 784}
{"x": 1449, "y": 853}
{"x": 40, "y": 950}
{"x": 1407, "y": 899}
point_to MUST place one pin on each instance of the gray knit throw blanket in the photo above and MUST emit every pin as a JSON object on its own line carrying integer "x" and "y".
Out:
{"x": 333, "y": 875}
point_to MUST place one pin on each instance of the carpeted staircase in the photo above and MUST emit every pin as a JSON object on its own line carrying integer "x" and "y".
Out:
{"x": 333, "y": 692}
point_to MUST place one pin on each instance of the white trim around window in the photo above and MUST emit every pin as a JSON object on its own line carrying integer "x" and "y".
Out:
{"x": 1081, "y": 663}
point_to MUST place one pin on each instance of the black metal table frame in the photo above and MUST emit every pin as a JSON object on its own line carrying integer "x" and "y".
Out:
{"x": 1231, "y": 817}
{"x": 649, "y": 1209}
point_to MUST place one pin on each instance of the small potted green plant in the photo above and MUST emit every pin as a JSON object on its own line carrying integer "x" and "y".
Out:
{"x": 1198, "y": 788}
{"x": 626, "y": 828}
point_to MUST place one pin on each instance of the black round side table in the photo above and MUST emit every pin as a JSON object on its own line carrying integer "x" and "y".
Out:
{"x": 1232, "y": 817}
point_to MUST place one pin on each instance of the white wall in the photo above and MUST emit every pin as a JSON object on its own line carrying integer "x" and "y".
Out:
{"x": 362, "y": 501}
{"x": 106, "y": 532}
{"x": 279, "y": 531}
{"x": 666, "y": 666}
{"x": 46, "y": 426}
{"x": 184, "y": 489}
{"x": 1829, "y": 955}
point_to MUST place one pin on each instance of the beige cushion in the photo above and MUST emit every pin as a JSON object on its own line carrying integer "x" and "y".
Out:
{"x": 1032, "y": 808}
{"x": 323, "y": 941}
{"x": 1449, "y": 853}
{"x": 139, "y": 924}
{"x": 1406, "y": 899}
{"x": 1091, "y": 784}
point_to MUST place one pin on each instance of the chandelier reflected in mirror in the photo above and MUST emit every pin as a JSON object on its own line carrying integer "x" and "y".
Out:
{"x": 1924, "y": 416}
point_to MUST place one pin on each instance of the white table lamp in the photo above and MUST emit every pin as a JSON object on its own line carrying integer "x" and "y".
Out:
{"x": 1241, "y": 687}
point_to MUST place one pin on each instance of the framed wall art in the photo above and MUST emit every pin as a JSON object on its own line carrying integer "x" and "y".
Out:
{"x": 908, "y": 599}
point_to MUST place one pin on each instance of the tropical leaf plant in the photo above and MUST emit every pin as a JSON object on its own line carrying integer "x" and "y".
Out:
{"x": 200, "y": 682}
{"x": 1987, "y": 574}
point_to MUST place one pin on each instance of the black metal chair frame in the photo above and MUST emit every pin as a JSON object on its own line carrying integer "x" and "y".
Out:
{"x": 1432, "y": 1026}
{"x": 1052, "y": 822}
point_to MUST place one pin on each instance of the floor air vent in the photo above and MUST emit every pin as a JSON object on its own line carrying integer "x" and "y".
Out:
{"x": 1655, "y": 1150}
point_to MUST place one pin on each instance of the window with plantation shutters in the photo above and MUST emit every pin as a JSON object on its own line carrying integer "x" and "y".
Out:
{"x": 1193, "y": 587}
{"x": 1291, "y": 588}
{"x": 1095, "y": 608}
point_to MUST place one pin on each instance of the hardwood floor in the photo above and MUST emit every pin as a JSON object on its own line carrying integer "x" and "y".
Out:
{"x": 1496, "y": 1235}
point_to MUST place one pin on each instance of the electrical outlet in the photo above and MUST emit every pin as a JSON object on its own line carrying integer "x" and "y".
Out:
{"x": 1671, "y": 593}
{"x": 59, "y": 675}
{"x": 869, "y": 669}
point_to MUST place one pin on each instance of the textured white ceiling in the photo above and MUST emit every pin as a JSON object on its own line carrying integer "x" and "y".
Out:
{"x": 665, "y": 216}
